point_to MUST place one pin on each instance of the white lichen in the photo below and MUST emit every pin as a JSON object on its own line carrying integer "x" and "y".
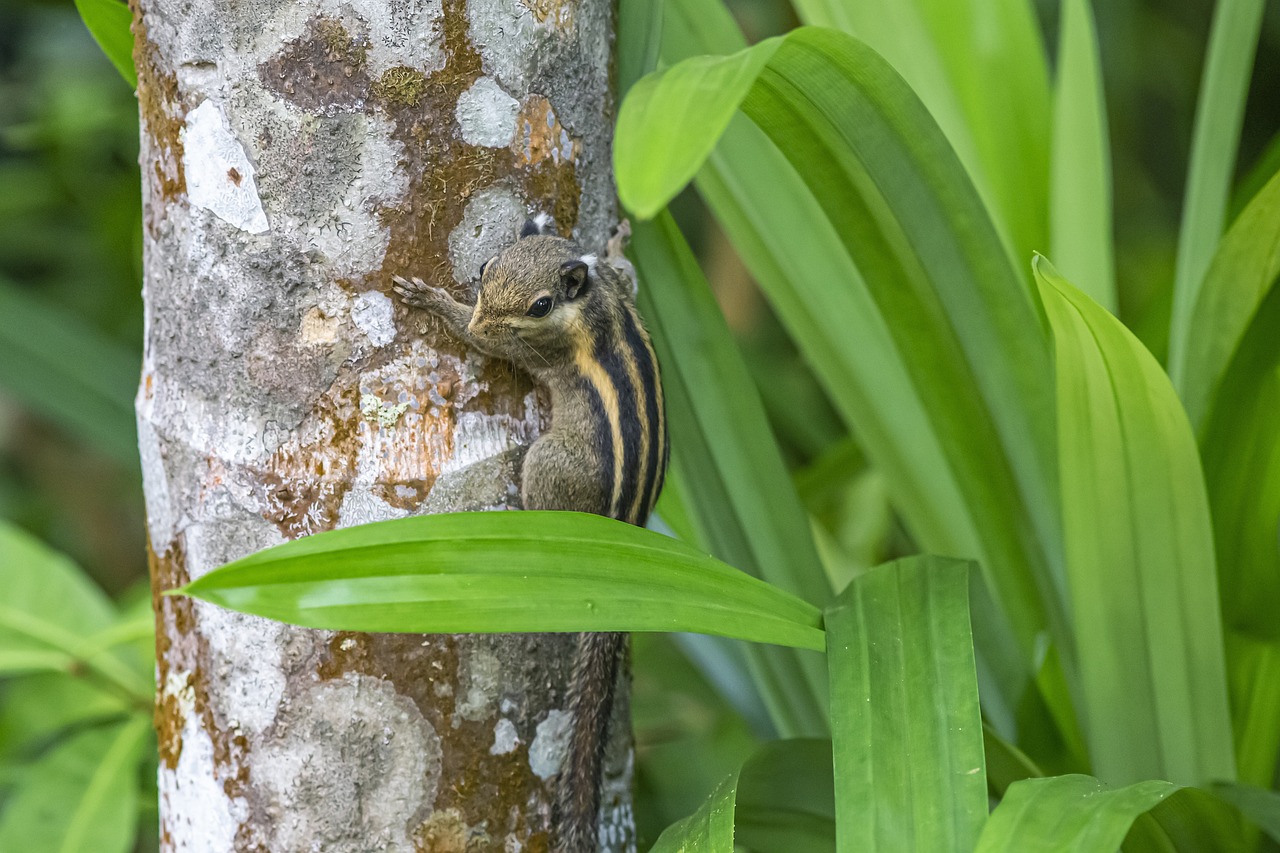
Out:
{"x": 490, "y": 223}
{"x": 550, "y": 742}
{"x": 218, "y": 173}
{"x": 479, "y": 675}
{"x": 372, "y": 314}
{"x": 357, "y": 721}
{"x": 505, "y": 737}
{"x": 487, "y": 115}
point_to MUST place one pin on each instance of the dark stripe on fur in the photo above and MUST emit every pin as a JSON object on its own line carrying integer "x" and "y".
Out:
{"x": 611, "y": 355}
{"x": 603, "y": 438}
{"x": 647, "y": 364}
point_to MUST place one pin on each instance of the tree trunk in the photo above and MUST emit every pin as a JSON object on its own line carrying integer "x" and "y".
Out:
{"x": 296, "y": 156}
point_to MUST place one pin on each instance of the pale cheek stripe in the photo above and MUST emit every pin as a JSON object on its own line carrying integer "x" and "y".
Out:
{"x": 600, "y": 380}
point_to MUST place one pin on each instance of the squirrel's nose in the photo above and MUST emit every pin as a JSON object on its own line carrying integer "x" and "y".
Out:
{"x": 476, "y": 326}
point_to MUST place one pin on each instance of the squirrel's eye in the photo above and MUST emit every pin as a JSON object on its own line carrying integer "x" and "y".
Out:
{"x": 541, "y": 307}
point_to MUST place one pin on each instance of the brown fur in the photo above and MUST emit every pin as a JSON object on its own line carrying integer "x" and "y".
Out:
{"x": 605, "y": 452}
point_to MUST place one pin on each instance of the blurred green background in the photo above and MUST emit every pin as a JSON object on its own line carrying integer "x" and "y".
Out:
{"x": 70, "y": 278}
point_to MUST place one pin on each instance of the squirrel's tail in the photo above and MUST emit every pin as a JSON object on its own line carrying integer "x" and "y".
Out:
{"x": 595, "y": 673}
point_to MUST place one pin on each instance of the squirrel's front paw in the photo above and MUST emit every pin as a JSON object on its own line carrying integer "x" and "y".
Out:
{"x": 422, "y": 295}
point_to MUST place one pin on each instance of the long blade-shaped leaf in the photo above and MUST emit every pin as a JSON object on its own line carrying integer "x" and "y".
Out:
{"x": 1232, "y": 392}
{"x": 501, "y": 572}
{"x": 639, "y": 40}
{"x": 109, "y": 21}
{"x": 1080, "y": 193}
{"x": 1139, "y": 554}
{"x": 786, "y": 799}
{"x": 909, "y": 765}
{"x": 81, "y": 797}
{"x": 1244, "y": 270}
{"x": 68, "y": 372}
{"x": 1188, "y": 819}
{"x": 780, "y": 800}
{"x": 736, "y": 487}
{"x": 49, "y": 607}
{"x": 1259, "y": 805}
{"x": 930, "y": 345}
{"x": 1067, "y": 814}
{"x": 980, "y": 68}
{"x": 1254, "y": 677}
{"x": 1233, "y": 39}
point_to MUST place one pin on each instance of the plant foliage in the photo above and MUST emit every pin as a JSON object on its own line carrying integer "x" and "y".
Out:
{"x": 1097, "y": 653}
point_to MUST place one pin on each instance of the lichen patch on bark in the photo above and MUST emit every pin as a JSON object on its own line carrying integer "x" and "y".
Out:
{"x": 448, "y": 170}
{"x": 464, "y": 691}
{"x": 286, "y": 392}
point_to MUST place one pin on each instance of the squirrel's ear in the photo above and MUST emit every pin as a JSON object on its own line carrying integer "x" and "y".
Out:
{"x": 485, "y": 265}
{"x": 574, "y": 276}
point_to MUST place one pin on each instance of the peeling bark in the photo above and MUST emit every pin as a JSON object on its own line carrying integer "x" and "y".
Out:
{"x": 295, "y": 157}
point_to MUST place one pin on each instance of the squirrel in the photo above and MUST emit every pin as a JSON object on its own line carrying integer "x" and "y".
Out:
{"x": 570, "y": 321}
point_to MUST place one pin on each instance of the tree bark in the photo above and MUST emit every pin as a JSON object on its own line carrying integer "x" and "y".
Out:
{"x": 296, "y": 156}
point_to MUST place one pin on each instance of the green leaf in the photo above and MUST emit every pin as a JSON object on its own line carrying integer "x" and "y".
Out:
{"x": 687, "y": 737}
{"x": 914, "y": 339}
{"x": 109, "y": 22}
{"x": 1254, "y": 679}
{"x": 44, "y": 587}
{"x": 1006, "y": 763}
{"x": 39, "y": 708}
{"x": 708, "y": 830}
{"x": 68, "y": 372}
{"x": 1139, "y": 554}
{"x": 786, "y": 800}
{"x": 1251, "y": 183}
{"x": 980, "y": 68}
{"x": 1232, "y": 392}
{"x": 781, "y": 795}
{"x": 506, "y": 572}
{"x": 737, "y": 490}
{"x": 1259, "y": 805}
{"x": 81, "y": 797}
{"x": 1189, "y": 819}
{"x": 1233, "y": 39}
{"x": 1067, "y": 813}
{"x": 1243, "y": 272}
{"x": 678, "y": 116}
{"x": 49, "y": 606}
{"x": 1080, "y": 194}
{"x": 909, "y": 764}
{"x": 27, "y": 661}
{"x": 639, "y": 40}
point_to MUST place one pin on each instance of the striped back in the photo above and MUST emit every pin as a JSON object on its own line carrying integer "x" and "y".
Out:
{"x": 624, "y": 388}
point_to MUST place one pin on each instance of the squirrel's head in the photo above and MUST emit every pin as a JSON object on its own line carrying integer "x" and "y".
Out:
{"x": 534, "y": 293}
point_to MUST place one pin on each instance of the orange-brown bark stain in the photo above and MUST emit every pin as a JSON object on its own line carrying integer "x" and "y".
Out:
{"x": 163, "y": 117}
{"x": 173, "y": 628}
{"x": 181, "y": 648}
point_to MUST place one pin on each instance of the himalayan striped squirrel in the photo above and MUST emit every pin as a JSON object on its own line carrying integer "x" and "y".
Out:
{"x": 570, "y": 321}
